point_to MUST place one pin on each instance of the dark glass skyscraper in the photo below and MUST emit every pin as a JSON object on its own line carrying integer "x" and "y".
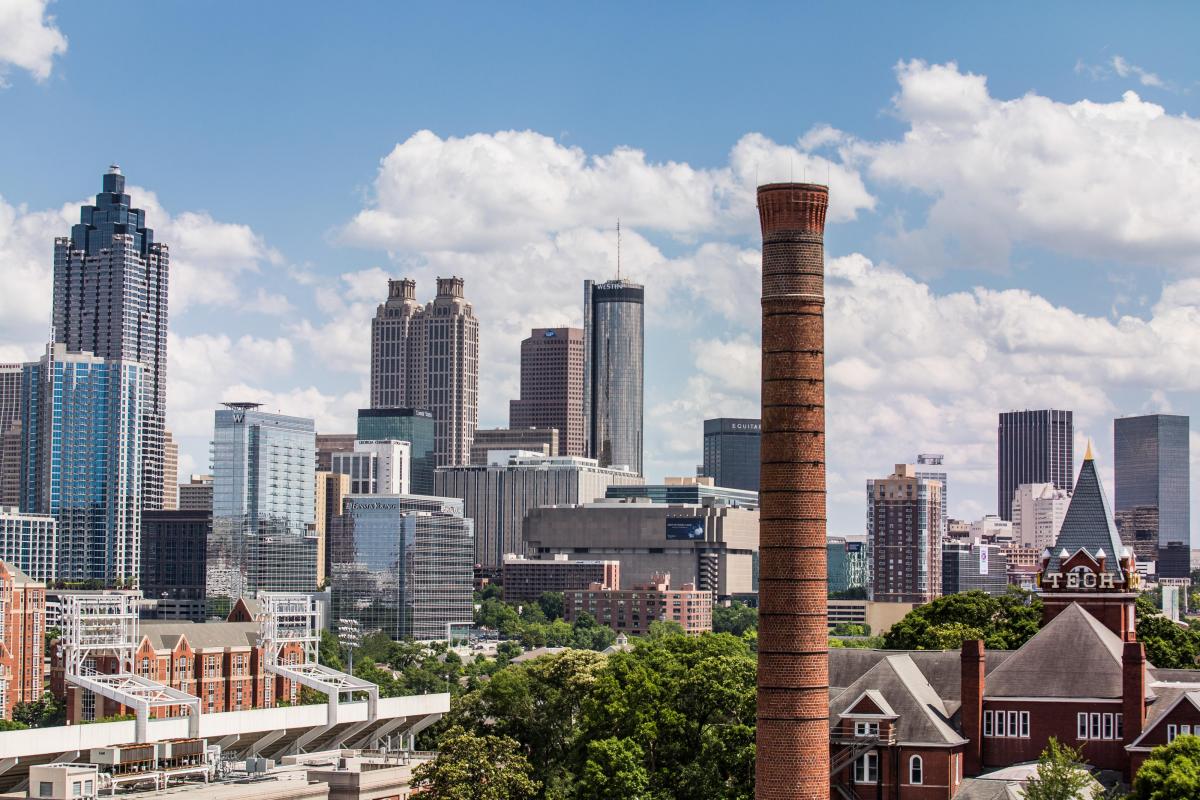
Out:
{"x": 110, "y": 299}
{"x": 407, "y": 425}
{"x": 1033, "y": 447}
{"x": 614, "y": 371}
{"x": 1152, "y": 475}
{"x": 731, "y": 452}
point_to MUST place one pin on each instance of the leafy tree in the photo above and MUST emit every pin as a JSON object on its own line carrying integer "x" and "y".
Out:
{"x": 45, "y": 712}
{"x": 614, "y": 768}
{"x": 490, "y": 591}
{"x": 329, "y": 650}
{"x": 471, "y": 767}
{"x": 1171, "y": 772}
{"x": 507, "y": 651}
{"x": 1004, "y": 623}
{"x": 735, "y": 618}
{"x": 587, "y": 634}
{"x": 1061, "y": 775}
{"x": 850, "y": 629}
{"x": 11, "y": 725}
{"x": 664, "y": 627}
{"x": 553, "y": 605}
{"x": 1168, "y": 644}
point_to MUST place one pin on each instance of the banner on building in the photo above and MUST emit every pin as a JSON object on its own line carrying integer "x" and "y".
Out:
{"x": 983, "y": 559}
{"x": 688, "y": 529}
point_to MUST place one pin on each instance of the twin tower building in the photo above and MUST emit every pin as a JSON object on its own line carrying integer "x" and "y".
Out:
{"x": 588, "y": 385}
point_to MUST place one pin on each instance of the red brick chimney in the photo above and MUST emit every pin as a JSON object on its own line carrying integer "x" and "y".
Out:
{"x": 793, "y": 657}
{"x": 1133, "y": 690}
{"x": 971, "y": 714}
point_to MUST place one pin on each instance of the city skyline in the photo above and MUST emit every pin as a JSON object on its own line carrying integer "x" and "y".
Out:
{"x": 261, "y": 313}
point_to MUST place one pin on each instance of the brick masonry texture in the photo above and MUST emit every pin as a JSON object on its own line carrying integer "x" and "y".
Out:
{"x": 793, "y": 667}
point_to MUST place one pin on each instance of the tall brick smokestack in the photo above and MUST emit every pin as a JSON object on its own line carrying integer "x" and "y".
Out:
{"x": 793, "y": 655}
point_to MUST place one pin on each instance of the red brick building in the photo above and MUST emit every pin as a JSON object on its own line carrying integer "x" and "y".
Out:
{"x": 22, "y": 638}
{"x": 219, "y": 662}
{"x": 633, "y": 610}
{"x": 526, "y": 579}
{"x": 923, "y": 725}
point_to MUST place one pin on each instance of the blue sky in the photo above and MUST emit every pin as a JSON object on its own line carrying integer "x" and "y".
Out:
{"x": 1011, "y": 228}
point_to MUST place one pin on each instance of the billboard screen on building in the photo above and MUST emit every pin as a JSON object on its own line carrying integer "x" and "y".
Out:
{"x": 688, "y": 529}
{"x": 854, "y": 547}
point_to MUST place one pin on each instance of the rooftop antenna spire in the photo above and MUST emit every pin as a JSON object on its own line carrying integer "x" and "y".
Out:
{"x": 618, "y": 248}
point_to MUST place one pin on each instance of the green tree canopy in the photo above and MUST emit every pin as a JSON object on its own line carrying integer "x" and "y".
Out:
{"x": 1168, "y": 644}
{"x": 1060, "y": 775}
{"x": 736, "y": 618}
{"x": 614, "y": 768}
{"x": 470, "y": 767}
{"x": 1171, "y": 772}
{"x": 1004, "y": 622}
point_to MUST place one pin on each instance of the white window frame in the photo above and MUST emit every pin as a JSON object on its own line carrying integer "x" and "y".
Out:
{"x": 1094, "y": 729}
{"x": 1081, "y": 725}
{"x": 1024, "y": 724}
{"x": 1109, "y": 729}
{"x": 1185, "y": 730}
{"x": 868, "y": 766}
{"x": 1171, "y": 733}
{"x": 1120, "y": 726}
{"x": 958, "y": 759}
{"x": 866, "y": 728}
{"x": 916, "y": 771}
{"x": 1014, "y": 724}
{"x": 987, "y": 724}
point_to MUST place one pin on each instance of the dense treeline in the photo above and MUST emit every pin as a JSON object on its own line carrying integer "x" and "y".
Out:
{"x": 673, "y": 717}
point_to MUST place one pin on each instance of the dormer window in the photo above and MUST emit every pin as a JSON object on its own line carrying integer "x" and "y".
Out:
{"x": 866, "y": 728}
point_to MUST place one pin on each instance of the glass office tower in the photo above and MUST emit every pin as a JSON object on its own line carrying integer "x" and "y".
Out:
{"x": 110, "y": 299}
{"x": 731, "y": 452}
{"x": 411, "y": 425}
{"x": 614, "y": 371}
{"x": 82, "y": 448}
{"x": 403, "y": 565}
{"x": 1153, "y": 503}
{"x": 263, "y": 534}
{"x": 1033, "y": 447}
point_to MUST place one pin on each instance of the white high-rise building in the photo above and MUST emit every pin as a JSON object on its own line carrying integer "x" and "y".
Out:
{"x": 1038, "y": 511}
{"x": 377, "y": 466}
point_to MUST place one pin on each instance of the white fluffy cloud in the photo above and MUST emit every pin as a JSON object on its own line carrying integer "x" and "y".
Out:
{"x": 29, "y": 38}
{"x": 209, "y": 261}
{"x": 503, "y": 190}
{"x": 1109, "y": 181}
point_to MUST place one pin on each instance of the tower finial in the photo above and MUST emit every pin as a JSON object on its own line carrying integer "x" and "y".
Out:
{"x": 618, "y": 248}
{"x": 1088, "y": 455}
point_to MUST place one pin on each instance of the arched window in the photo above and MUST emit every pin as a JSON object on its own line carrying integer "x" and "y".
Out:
{"x": 916, "y": 769}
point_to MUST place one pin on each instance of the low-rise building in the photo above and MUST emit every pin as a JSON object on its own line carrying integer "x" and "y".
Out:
{"x": 878, "y": 617}
{"x": 689, "y": 490}
{"x": 222, "y": 663}
{"x": 527, "y": 579}
{"x": 973, "y": 567}
{"x": 499, "y": 495}
{"x": 196, "y": 494}
{"x": 543, "y": 441}
{"x": 22, "y": 638}
{"x": 633, "y": 611}
{"x": 712, "y": 546}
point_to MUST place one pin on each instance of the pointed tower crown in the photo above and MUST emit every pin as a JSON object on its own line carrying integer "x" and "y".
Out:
{"x": 1088, "y": 525}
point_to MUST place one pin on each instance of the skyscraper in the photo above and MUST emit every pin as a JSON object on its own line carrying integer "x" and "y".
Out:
{"x": 82, "y": 445}
{"x": 376, "y": 466}
{"x": 263, "y": 516}
{"x": 552, "y": 387}
{"x": 1038, "y": 511}
{"x": 10, "y": 434}
{"x": 407, "y": 425}
{"x": 1033, "y": 447}
{"x": 932, "y": 466}
{"x": 732, "y": 452}
{"x": 110, "y": 299}
{"x": 403, "y": 565}
{"x": 170, "y": 501}
{"x": 428, "y": 358}
{"x": 904, "y": 542}
{"x": 614, "y": 371}
{"x": 1152, "y": 476}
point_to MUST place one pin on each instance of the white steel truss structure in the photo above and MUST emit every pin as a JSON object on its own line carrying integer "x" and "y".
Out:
{"x": 291, "y": 619}
{"x": 106, "y": 625}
